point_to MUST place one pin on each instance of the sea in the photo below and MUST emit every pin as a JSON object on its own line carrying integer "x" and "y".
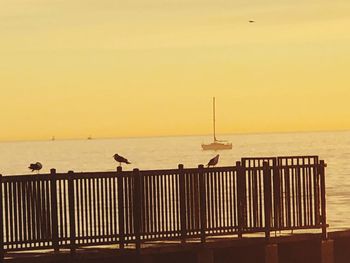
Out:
{"x": 168, "y": 152}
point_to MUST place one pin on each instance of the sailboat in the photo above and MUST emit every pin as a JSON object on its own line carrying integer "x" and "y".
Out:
{"x": 216, "y": 144}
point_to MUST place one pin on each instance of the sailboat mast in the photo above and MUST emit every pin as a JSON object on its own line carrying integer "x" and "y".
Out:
{"x": 214, "y": 118}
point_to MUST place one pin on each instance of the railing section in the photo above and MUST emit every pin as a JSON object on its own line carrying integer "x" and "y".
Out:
{"x": 132, "y": 207}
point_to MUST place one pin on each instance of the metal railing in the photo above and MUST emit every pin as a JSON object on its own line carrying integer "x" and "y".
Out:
{"x": 131, "y": 207}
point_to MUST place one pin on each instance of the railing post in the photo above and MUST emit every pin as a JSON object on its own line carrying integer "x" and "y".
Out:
{"x": 1, "y": 224}
{"x": 267, "y": 198}
{"x": 277, "y": 199}
{"x": 202, "y": 205}
{"x": 137, "y": 207}
{"x": 317, "y": 201}
{"x": 182, "y": 203}
{"x": 71, "y": 211}
{"x": 120, "y": 207}
{"x": 322, "y": 166}
{"x": 240, "y": 197}
{"x": 54, "y": 212}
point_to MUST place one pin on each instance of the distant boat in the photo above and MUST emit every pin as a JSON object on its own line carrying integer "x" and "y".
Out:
{"x": 216, "y": 144}
{"x": 89, "y": 138}
{"x": 53, "y": 138}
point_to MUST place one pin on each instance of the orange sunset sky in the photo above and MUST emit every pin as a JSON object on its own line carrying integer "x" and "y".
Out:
{"x": 110, "y": 68}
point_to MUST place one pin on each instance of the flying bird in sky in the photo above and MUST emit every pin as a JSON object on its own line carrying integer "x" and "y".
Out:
{"x": 251, "y": 21}
{"x": 214, "y": 161}
{"x": 35, "y": 166}
{"x": 120, "y": 159}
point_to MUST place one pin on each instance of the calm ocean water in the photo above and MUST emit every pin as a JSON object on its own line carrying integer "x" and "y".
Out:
{"x": 168, "y": 152}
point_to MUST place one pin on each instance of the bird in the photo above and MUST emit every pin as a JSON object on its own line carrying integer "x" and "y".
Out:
{"x": 35, "y": 166}
{"x": 251, "y": 21}
{"x": 120, "y": 159}
{"x": 214, "y": 161}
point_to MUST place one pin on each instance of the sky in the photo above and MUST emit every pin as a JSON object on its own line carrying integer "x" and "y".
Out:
{"x": 111, "y": 68}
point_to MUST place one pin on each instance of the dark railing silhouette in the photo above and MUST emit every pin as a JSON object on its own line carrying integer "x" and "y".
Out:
{"x": 53, "y": 211}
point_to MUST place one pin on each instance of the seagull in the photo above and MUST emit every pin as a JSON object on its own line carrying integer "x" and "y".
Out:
{"x": 213, "y": 161}
{"x": 120, "y": 159}
{"x": 35, "y": 166}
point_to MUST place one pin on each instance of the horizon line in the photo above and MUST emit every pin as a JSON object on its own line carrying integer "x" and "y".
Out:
{"x": 174, "y": 135}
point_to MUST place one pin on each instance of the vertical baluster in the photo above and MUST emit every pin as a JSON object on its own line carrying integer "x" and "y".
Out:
{"x": 211, "y": 175}
{"x": 241, "y": 197}
{"x": 322, "y": 166}
{"x": 209, "y": 210}
{"x": 120, "y": 207}
{"x": 202, "y": 194}
{"x": 182, "y": 203}
{"x": 15, "y": 214}
{"x": 1, "y": 221}
{"x": 80, "y": 212}
{"x": 71, "y": 211}
{"x": 267, "y": 199}
{"x": 87, "y": 205}
{"x": 24, "y": 213}
{"x": 137, "y": 206}
{"x": 147, "y": 206}
{"x": 54, "y": 215}
{"x": 277, "y": 195}
{"x": 176, "y": 204}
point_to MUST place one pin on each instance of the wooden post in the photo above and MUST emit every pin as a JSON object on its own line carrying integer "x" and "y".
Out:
{"x": 120, "y": 207}
{"x": 182, "y": 203}
{"x": 202, "y": 205}
{"x": 137, "y": 207}
{"x": 327, "y": 251}
{"x": 54, "y": 212}
{"x": 271, "y": 253}
{"x": 1, "y": 224}
{"x": 71, "y": 210}
{"x": 241, "y": 197}
{"x": 323, "y": 199}
{"x": 267, "y": 198}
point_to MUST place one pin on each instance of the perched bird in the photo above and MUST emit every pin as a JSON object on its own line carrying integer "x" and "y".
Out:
{"x": 213, "y": 161}
{"x": 35, "y": 166}
{"x": 251, "y": 21}
{"x": 120, "y": 159}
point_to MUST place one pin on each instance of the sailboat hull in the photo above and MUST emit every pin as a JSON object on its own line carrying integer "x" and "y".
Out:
{"x": 215, "y": 146}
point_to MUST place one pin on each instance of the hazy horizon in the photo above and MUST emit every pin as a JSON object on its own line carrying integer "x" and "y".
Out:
{"x": 219, "y": 135}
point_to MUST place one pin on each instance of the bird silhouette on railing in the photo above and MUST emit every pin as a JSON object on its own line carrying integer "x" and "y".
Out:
{"x": 120, "y": 159}
{"x": 214, "y": 161}
{"x": 35, "y": 166}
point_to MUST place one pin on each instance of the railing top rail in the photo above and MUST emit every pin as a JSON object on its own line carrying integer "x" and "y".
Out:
{"x": 82, "y": 175}
{"x": 298, "y": 156}
{"x": 62, "y": 176}
{"x": 258, "y": 158}
{"x": 279, "y": 157}
{"x": 282, "y": 162}
{"x": 25, "y": 177}
{"x": 220, "y": 169}
{"x": 59, "y": 176}
{"x": 289, "y": 166}
{"x": 163, "y": 171}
